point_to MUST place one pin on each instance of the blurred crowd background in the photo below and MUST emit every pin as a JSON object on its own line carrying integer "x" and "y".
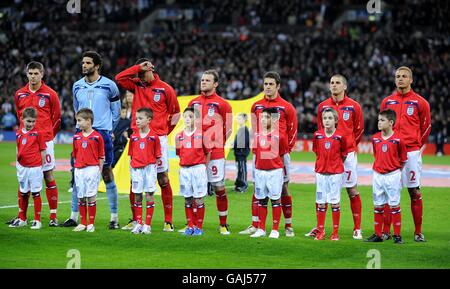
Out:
{"x": 305, "y": 41}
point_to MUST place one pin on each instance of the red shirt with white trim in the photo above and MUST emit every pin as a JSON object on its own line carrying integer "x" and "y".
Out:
{"x": 30, "y": 144}
{"x": 191, "y": 148}
{"x": 288, "y": 123}
{"x": 330, "y": 152}
{"x": 88, "y": 150}
{"x": 413, "y": 117}
{"x": 144, "y": 150}
{"x": 350, "y": 122}
{"x": 46, "y": 101}
{"x": 215, "y": 125}
{"x": 269, "y": 150}
{"x": 389, "y": 153}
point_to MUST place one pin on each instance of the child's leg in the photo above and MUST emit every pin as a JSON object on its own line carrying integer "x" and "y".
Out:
{"x": 24, "y": 205}
{"x": 336, "y": 216}
{"x": 83, "y": 210}
{"x": 138, "y": 207}
{"x": 378, "y": 218}
{"x": 92, "y": 209}
{"x": 396, "y": 219}
{"x": 199, "y": 203}
{"x": 37, "y": 205}
{"x": 132, "y": 204}
{"x": 262, "y": 212}
{"x": 276, "y": 214}
{"x": 188, "y": 211}
{"x": 321, "y": 214}
{"x": 150, "y": 206}
{"x": 387, "y": 220}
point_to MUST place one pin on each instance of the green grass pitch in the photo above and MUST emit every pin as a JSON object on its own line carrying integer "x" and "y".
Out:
{"x": 49, "y": 247}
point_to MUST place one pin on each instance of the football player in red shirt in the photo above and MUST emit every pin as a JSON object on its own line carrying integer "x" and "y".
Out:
{"x": 145, "y": 151}
{"x": 45, "y": 100}
{"x": 217, "y": 120}
{"x": 330, "y": 147}
{"x": 194, "y": 156}
{"x": 414, "y": 126}
{"x": 269, "y": 148}
{"x": 150, "y": 91}
{"x": 30, "y": 159}
{"x": 351, "y": 124}
{"x": 89, "y": 157}
{"x": 390, "y": 155}
{"x": 287, "y": 126}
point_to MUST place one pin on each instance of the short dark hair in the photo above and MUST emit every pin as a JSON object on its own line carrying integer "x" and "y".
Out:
{"x": 35, "y": 65}
{"x": 343, "y": 78}
{"x": 274, "y": 75}
{"x": 214, "y": 73}
{"x": 142, "y": 60}
{"x": 29, "y": 112}
{"x": 147, "y": 110}
{"x": 389, "y": 114}
{"x": 96, "y": 57}
{"x": 272, "y": 111}
{"x": 86, "y": 113}
{"x": 195, "y": 111}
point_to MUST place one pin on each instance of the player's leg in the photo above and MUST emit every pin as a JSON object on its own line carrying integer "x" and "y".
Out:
{"x": 73, "y": 219}
{"x": 216, "y": 176}
{"x": 286, "y": 198}
{"x": 188, "y": 200}
{"x": 199, "y": 181}
{"x": 35, "y": 179}
{"x": 393, "y": 193}
{"x": 108, "y": 178}
{"x": 92, "y": 211}
{"x": 138, "y": 210}
{"x": 321, "y": 205}
{"x": 274, "y": 184}
{"x": 82, "y": 207}
{"x": 132, "y": 221}
{"x": 164, "y": 184}
{"x": 379, "y": 202}
{"x": 255, "y": 219}
{"x": 92, "y": 182}
{"x": 334, "y": 199}
{"x": 262, "y": 195}
{"x": 149, "y": 210}
{"x": 23, "y": 195}
{"x": 51, "y": 190}
{"x": 350, "y": 178}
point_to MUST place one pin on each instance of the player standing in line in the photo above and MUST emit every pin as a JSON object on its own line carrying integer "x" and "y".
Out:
{"x": 89, "y": 156}
{"x": 217, "y": 119}
{"x": 46, "y": 101}
{"x": 145, "y": 152}
{"x": 30, "y": 159}
{"x": 287, "y": 127}
{"x": 414, "y": 126}
{"x": 150, "y": 91}
{"x": 390, "y": 155}
{"x": 330, "y": 147}
{"x": 101, "y": 95}
{"x": 193, "y": 176}
{"x": 351, "y": 124}
{"x": 269, "y": 148}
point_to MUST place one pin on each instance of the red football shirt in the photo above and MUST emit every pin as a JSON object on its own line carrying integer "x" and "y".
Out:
{"x": 350, "y": 122}
{"x": 217, "y": 122}
{"x": 158, "y": 95}
{"x": 288, "y": 117}
{"x": 144, "y": 150}
{"x": 389, "y": 153}
{"x": 269, "y": 150}
{"x": 413, "y": 117}
{"x": 29, "y": 147}
{"x": 190, "y": 148}
{"x": 330, "y": 152}
{"x": 87, "y": 150}
{"x": 46, "y": 101}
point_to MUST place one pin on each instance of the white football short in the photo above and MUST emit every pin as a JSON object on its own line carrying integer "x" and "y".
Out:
{"x": 328, "y": 190}
{"x": 287, "y": 167}
{"x": 49, "y": 156}
{"x": 268, "y": 183}
{"x": 143, "y": 180}
{"x": 216, "y": 171}
{"x": 193, "y": 181}
{"x": 387, "y": 188}
{"x": 412, "y": 170}
{"x": 163, "y": 164}
{"x": 350, "y": 175}
{"x": 30, "y": 179}
{"x": 87, "y": 180}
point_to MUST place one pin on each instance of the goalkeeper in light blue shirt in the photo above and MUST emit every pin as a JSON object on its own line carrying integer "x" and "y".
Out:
{"x": 101, "y": 95}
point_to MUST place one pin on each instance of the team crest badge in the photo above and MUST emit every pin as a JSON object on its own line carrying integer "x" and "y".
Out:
{"x": 211, "y": 111}
{"x": 24, "y": 140}
{"x": 346, "y": 115}
{"x": 327, "y": 145}
{"x": 384, "y": 147}
{"x": 142, "y": 145}
{"x": 157, "y": 97}
{"x": 410, "y": 110}
{"x": 84, "y": 144}
{"x": 42, "y": 102}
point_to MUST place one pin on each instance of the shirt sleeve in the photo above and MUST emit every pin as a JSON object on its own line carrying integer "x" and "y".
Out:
{"x": 314, "y": 147}
{"x": 292, "y": 126}
{"x": 130, "y": 147}
{"x": 125, "y": 78}
{"x": 425, "y": 122}
{"x": 41, "y": 142}
{"x": 16, "y": 105}
{"x": 177, "y": 145}
{"x": 158, "y": 153}
{"x": 344, "y": 147}
{"x": 227, "y": 117}
{"x": 319, "y": 117}
{"x": 115, "y": 105}
{"x": 284, "y": 147}
{"x": 402, "y": 152}
{"x": 101, "y": 148}
{"x": 173, "y": 109}
{"x": 74, "y": 148}
{"x": 75, "y": 100}
{"x": 55, "y": 113}
{"x": 358, "y": 124}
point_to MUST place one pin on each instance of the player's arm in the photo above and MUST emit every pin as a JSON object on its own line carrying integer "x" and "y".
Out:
{"x": 125, "y": 78}
{"x": 101, "y": 153}
{"x": 114, "y": 99}
{"x": 292, "y": 126}
{"x": 75, "y": 100}
{"x": 16, "y": 106}
{"x": 425, "y": 122}
{"x": 402, "y": 153}
{"x": 344, "y": 149}
{"x": 319, "y": 117}
{"x": 42, "y": 148}
{"x": 158, "y": 153}
{"x": 227, "y": 117}
{"x": 358, "y": 121}
{"x": 314, "y": 146}
{"x": 173, "y": 108}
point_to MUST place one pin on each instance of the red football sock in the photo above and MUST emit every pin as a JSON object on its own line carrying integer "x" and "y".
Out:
{"x": 276, "y": 216}
{"x": 150, "y": 207}
{"x": 355, "y": 203}
{"x": 83, "y": 212}
{"x": 417, "y": 210}
{"x": 378, "y": 218}
{"x": 336, "y": 216}
{"x": 166, "y": 195}
{"x": 321, "y": 214}
{"x": 194, "y": 213}
{"x": 24, "y": 206}
{"x": 92, "y": 210}
{"x": 397, "y": 220}
{"x": 132, "y": 205}
{"x": 19, "y": 200}
{"x": 286, "y": 202}
{"x": 222, "y": 206}
{"x": 387, "y": 219}
{"x": 37, "y": 206}
{"x": 189, "y": 218}
{"x": 262, "y": 211}
{"x": 200, "y": 215}
{"x": 255, "y": 217}
{"x": 138, "y": 211}
{"x": 51, "y": 191}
